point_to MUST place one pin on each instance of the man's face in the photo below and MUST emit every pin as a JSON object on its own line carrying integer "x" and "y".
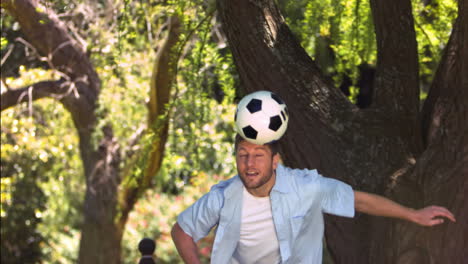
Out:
{"x": 256, "y": 167}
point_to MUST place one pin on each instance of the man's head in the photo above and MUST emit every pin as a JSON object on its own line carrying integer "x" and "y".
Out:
{"x": 256, "y": 165}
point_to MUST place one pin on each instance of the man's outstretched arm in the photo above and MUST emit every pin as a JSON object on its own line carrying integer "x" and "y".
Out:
{"x": 187, "y": 248}
{"x": 378, "y": 205}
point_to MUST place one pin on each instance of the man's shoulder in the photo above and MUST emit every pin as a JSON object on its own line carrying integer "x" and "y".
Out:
{"x": 215, "y": 198}
{"x": 226, "y": 187}
{"x": 299, "y": 180}
{"x": 221, "y": 185}
{"x": 299, "y": 175}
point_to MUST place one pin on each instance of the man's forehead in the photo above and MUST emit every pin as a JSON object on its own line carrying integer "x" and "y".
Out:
{"x": 245, "y": 145}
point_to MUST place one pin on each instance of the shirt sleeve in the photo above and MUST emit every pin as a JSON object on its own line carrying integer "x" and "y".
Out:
{"x": 202, "y": 216}
{"x": 338, "y": 197}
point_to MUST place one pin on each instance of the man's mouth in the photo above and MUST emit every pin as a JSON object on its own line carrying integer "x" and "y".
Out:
{"x": 251, "y": 173}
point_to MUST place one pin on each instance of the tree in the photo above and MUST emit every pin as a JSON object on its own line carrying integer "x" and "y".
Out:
{"x": 415, "y": 156}
{"x": 108, "y": 199}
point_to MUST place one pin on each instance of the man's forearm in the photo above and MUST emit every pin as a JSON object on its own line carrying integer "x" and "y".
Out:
{"x": 378, "y": 205}
{"x": 381, "y": 206}
{"x": 187, "y": 248}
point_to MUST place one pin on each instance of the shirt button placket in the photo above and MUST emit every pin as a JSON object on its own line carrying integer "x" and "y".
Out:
{"x": 278, "y": 220}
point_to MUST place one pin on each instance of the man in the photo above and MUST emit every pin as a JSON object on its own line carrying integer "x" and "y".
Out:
{"x": 272, "y": 214}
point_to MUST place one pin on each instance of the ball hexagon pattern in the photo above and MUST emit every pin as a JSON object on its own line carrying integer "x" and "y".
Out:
{"x": 261, "y": 117}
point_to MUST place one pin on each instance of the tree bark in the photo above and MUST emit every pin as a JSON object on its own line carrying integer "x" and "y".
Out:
{"x": 379, "y": 149}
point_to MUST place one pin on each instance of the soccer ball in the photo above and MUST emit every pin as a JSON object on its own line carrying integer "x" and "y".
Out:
{"x": 261, "y": 117}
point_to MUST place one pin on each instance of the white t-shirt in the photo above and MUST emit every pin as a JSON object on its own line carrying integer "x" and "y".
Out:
{"x": 258, "y": 242}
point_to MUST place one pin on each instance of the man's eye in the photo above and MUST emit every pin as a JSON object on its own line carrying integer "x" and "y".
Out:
{"x": 259, "y": 155}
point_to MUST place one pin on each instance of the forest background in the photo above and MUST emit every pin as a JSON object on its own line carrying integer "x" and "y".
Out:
{"x": 165, "y": 93}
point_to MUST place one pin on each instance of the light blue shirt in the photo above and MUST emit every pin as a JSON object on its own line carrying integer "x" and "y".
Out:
{"x": 298, "y": 200}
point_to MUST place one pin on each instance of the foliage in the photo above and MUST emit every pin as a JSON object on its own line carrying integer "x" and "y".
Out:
{"x": 202, "y": 136}
{"x": 339, "y": 35}
{"x": 203, "y": 73}
{"x": 22, "y": 203}
{"x": 433, "y": 25}
{"x": 40, "y": 194}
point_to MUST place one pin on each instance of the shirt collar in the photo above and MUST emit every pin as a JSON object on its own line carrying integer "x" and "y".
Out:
{"x": 281, "y": 184}
{"x": 235, "y": 188}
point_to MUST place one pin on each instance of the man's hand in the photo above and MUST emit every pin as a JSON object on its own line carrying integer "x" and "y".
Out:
{"x": 432, "y": 215}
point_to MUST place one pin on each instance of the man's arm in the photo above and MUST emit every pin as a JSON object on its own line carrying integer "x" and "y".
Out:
{"x": 381, "y": 206}
{"x": 187, "y": 248}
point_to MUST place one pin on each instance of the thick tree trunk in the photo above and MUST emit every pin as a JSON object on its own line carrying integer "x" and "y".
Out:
{"x": 100, "y": 235}
{"x": 379, "y": 149}
{"x": 442, "y": 170}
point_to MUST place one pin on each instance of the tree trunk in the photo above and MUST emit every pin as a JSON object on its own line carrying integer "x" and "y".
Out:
{"x": 100, "y": 236}
{"x": 79, "y": 91}
{"x": 379, "y": 149}
{"x": 104, "y": 214}
{"x": 442, "y": 170}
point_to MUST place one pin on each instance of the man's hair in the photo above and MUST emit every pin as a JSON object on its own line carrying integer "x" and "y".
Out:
{"x": 274, "y": 145}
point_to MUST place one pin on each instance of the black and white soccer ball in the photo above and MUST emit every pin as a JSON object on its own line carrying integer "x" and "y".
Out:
{"x": 261, "y": 117}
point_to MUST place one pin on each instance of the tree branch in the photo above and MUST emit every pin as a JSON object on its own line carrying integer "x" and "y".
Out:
{"x": 396, "y": 84}
{"x": 163, "y": 77}
{"x": 268, "y": 57}
{"x": 49, "y": 36}
{"x": 33, "y": 92}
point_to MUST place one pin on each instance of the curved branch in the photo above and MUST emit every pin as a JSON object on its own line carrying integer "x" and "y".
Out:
{"x": 33, "y": 92}
{"x": 269, "y": 57}
{"x": 163, "y": 76}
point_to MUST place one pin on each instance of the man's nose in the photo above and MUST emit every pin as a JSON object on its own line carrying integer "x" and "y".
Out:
{"x": 251, "y": 161}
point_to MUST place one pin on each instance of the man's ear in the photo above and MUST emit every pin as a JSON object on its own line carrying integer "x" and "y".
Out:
{"x": 276, "y": 160}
